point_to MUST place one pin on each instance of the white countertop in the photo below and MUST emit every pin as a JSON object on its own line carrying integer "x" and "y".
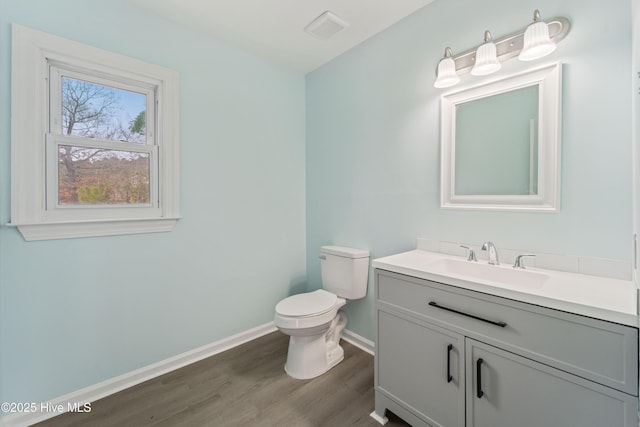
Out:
{"x": 598, "y": 297}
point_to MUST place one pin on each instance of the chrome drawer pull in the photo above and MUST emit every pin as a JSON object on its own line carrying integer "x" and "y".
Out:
{"x": 493, "y": 322}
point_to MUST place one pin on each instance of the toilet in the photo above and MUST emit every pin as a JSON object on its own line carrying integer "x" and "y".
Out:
{"x": 314, "y": 320}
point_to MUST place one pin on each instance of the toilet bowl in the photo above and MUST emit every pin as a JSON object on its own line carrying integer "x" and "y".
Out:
{"x": 314, "y": 323}
{"x": 314, "y": 320}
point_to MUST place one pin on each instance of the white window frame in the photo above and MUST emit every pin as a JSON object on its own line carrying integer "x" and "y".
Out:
{"x": 38, "y": 59}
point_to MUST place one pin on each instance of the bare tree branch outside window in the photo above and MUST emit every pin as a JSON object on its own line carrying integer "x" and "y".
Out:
{"x": 102, "y": 176}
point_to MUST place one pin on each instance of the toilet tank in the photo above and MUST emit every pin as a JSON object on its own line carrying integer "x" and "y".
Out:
{"x": 344, "y": 271}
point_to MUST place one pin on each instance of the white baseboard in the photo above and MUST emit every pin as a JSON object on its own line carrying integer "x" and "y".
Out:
{"x": 121, "y": 382}
{"x": 359, "y": 341}
{"x": 378, "y": 418}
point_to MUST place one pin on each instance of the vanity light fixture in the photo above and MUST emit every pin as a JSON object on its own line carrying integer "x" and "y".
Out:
{"x": 537, "y": 42}
{"x": 486, "y": 58}
{"x": 533, "y": 42}
{"x": 446, "y": 74}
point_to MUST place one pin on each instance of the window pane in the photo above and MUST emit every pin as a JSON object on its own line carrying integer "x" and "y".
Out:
{"x": 96, "y": 111}
{"x": 97, "y": 176}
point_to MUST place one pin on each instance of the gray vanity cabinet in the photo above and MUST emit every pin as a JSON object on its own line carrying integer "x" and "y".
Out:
{"x": 422, "y": 366}
{"x": 515, "y": 391}
{"x": 451, "y": 357}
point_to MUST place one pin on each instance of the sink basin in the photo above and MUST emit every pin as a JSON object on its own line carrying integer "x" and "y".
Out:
{"x": 490, "y": 273}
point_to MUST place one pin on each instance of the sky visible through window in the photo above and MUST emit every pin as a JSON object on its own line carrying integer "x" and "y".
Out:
{"x": 132, "y": 104}
{"x": 98, "y": 111}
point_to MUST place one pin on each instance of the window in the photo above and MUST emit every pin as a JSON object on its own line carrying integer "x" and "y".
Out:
{"x": 94, "y": 141}
{"x": 98, "y": 151}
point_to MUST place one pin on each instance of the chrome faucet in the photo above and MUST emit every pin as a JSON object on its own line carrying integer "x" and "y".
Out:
{"x": 493, "y": 253}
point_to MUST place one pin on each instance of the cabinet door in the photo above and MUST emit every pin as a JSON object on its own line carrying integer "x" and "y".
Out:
{"x": 421, "y": 367}
{"x": 504, "y": 389}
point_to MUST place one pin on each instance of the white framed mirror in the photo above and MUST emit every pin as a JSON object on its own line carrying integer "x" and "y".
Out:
{"x": 500, "y": 144}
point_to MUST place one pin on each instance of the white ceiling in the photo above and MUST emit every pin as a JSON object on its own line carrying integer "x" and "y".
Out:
{"x": 274, "y": 29}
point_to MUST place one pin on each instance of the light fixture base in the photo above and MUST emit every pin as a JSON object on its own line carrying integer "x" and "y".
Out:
{"x": 510, "y": 46}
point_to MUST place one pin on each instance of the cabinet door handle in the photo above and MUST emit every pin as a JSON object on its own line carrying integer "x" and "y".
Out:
{"x": 449, "y": 377}
{"x": 479, "y": 391}
{"x": 493, "y": 322}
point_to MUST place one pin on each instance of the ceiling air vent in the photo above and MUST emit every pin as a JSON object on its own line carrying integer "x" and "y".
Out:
{"x": 326, "y": 25}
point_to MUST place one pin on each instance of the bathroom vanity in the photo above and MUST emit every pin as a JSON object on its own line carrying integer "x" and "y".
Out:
{"x": 459, "y": 344}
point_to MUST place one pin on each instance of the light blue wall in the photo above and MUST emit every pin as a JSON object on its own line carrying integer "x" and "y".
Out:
{"x": 77, "y": 312}
{"x": 373, "y": 138}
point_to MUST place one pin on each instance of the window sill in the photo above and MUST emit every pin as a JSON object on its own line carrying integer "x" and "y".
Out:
{"x": 97, "y": 228}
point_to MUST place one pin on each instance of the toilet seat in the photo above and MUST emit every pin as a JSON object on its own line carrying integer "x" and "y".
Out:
{"x": 308, "y": 310}
{"x": 307, "y": 304}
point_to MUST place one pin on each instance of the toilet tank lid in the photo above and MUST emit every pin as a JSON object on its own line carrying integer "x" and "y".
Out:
{"x": 344, "y": 252}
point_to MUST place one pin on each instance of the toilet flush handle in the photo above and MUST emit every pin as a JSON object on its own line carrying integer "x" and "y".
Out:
{"x": 322, "y": 257}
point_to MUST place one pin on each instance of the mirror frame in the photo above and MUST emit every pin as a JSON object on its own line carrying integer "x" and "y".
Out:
{"x": 549, "y": 82}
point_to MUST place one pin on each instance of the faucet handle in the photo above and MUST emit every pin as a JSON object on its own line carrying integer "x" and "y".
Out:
{"x": 471, "y": 255}
{"x": 519, "y": 263}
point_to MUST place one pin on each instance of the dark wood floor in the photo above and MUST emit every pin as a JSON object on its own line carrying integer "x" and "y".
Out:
{"x": 245, "y": 386}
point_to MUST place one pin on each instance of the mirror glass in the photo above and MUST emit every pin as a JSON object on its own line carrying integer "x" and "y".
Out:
{"x": 500, "y": 144}
{"x": 498, "y": 159}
